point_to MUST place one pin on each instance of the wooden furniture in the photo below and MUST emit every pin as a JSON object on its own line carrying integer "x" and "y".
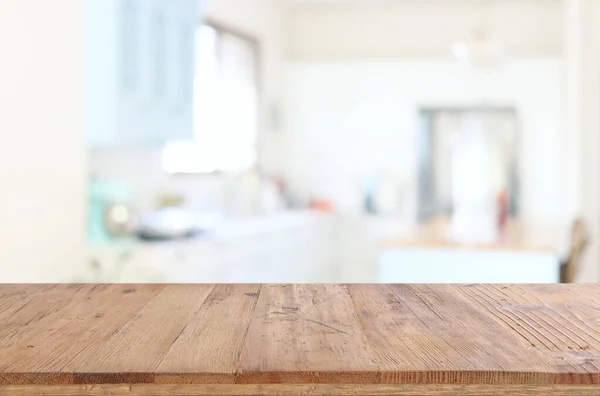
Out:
{"x": 526, "y": 253}
{"x": 300, "y": 340}
{"x": 579, "y": 241}
{"x": 519, "y": 236}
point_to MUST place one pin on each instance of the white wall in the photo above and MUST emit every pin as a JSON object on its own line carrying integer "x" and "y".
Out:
{"x": 391, "y": 28}
{"x": 42, "y": 157}
{"x": 349, "y": 119}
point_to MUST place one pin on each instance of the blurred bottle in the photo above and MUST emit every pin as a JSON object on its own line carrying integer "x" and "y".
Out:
{"x": 502, "y": 213}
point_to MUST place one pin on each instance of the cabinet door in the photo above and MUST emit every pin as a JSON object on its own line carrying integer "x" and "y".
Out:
{"x": 468, "y": 266}
{"x": 107, "y": 263}
{"x": 106, "y": 23}
{"x": 140, "y": 70}
{"x": 130, "y": 25}
{"x": 204, "y": 264}
{"x": 150, "y": 100}
{"x": 180, "y": 97}
{"x": 170, "y": 55}
{"x": 149, "y": 264}
{"x": 132, "y": 94}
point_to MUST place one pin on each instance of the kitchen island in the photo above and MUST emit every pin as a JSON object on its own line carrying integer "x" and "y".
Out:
{"x": 525, "y": 253}
{"x": 299, "y": 339}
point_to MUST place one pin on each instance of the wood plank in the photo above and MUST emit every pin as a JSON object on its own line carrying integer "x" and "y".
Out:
{"x": 566, "y": 332}
{"x": 487, "y": 343}
{"x": 301, "y": 390}
{"x": 306, "y": 334}
{"x": 209, "y": 349}
{"x": 140, "y": 345}
{"x": 42, "y": 352}
{"x": 430, "y": 334}
{"x": 529, "y": 337}
{"x": 397, "y": 335}
{"x": 14, "y": 297}
{"x": 20, "y": 310}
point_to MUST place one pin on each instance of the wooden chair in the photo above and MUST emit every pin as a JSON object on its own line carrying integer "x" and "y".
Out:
{"x": 579, "y": 240}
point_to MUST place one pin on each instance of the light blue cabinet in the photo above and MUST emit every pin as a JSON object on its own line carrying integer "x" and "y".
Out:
{"x": 139, "y": 71}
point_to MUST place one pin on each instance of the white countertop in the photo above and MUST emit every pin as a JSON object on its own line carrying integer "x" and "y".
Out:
{"x": 228, "y": 228}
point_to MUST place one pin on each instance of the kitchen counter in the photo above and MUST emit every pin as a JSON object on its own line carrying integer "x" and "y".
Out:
{"x": 287, "y": 247}
{"x": 300, "y": 339}
{"x": 519, "y": 236}
{"x": 526, "y": 253}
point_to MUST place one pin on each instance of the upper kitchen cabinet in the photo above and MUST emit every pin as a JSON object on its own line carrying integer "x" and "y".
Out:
{"x": 140, "y": 71}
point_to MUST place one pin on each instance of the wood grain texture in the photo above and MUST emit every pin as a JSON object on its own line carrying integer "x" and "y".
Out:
{"x": 458, "y": 345}
{"x": 518, "y": 236}
{"x": 306, "y": 333}
{"x": 314, "y": 339}
{"x": 46, "y": 342}
{"x": 212, "y": 343}
{"x": 140, "y": 345}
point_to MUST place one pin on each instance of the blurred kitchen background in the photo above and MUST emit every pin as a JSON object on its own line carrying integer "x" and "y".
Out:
{"x": 299, "y": 141}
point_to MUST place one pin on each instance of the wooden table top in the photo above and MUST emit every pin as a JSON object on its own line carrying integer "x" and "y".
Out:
{"x": 492, "y": 335}
{"x": 518, "y": 236}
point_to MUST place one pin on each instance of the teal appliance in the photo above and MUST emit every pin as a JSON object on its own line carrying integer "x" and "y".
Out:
{"x": 110, "y": 214}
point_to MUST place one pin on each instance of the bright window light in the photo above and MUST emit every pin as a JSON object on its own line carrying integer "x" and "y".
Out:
{"x": 225, "y": 107}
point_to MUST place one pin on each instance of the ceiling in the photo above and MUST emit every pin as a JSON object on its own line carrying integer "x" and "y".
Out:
{"x": 322, "y": 29}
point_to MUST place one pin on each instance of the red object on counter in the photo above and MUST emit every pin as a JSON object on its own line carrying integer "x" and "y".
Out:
{"x": 322, "y": 205}
{"x": 502, "y": 212}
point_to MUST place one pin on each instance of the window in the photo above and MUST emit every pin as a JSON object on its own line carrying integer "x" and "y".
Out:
{"x": 225, "y": 106}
